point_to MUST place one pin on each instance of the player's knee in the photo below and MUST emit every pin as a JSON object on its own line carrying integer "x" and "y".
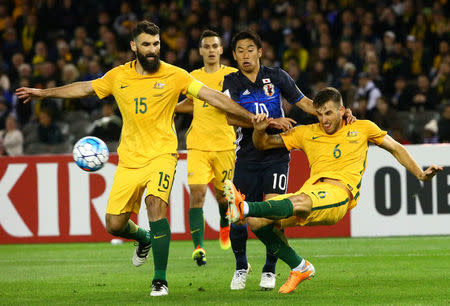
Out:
{"x": 302, "y": 204}
{"x": 156, "y": 208}
{"x": 197, "y": 199}
{"x": 114, "y": 227}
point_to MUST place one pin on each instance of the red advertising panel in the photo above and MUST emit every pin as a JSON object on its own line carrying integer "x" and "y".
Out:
{"x": 49, "y": 199}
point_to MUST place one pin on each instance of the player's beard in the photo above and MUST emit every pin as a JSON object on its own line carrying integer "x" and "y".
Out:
{"x": 149, "y": 65}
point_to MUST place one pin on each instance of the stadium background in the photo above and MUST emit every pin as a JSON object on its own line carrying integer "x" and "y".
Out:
{"x": 390, "y": 59}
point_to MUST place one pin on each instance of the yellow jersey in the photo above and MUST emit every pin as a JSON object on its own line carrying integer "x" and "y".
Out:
{"x": 147, "y": 104}
{"x": 209, "y": 130}
{"x": 340, "y": 156}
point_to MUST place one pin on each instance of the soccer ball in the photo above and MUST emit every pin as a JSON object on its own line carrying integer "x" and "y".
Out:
{"x": 90, "y": 153}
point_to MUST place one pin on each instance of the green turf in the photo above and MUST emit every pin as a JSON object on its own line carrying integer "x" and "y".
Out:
{"x": 403, "y": 270}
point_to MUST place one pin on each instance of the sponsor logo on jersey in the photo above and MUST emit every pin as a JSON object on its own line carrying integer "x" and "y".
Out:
{"x": 269, "y": 89}
{"x": 159, "y": 85}
{"x": 124, "y": 86}
{"x": 246, "y": 92}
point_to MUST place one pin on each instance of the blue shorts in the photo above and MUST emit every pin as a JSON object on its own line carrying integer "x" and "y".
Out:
{"x": 257, "y": 180}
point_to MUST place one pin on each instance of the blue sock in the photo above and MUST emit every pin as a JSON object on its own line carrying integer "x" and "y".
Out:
{"x": 271, "y": 261}
{"x": 238, "y": 238}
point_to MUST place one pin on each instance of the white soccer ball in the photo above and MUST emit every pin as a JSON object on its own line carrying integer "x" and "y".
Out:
{"x": 90, "y": 153}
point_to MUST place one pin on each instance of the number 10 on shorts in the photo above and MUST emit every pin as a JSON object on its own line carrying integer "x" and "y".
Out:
{"x": 279, "y": 180}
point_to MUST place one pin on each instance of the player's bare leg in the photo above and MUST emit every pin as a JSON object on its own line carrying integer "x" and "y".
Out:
{"x": 122, "y": 226}
{"x": 197, "y": 222}
{"x": 160, "y": 237}
{"x": 224, "y": 235}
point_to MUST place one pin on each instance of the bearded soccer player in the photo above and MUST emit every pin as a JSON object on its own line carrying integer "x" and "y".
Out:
{"x": 146, "y": 91}
{"x": 337, "y": 156}
{"x": 210, "y": 144}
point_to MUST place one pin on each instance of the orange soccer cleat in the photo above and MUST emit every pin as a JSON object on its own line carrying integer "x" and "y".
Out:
{"x": 235, "y": 200}
{"x": 224, "y": 238}
{"x": 296, "y": 277}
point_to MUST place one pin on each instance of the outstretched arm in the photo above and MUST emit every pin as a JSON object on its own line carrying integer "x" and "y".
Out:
{"x": 74, "y": 90}
{"x": 262, "y": 140}
{"x": 404, "y": 158}
{"x": 185, "y": 106}
{"x": 223, "y": 102}
{"x": 282, "y": 123}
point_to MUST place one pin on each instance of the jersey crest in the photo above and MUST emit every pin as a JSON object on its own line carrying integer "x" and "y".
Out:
{"x": 269, "y": 89}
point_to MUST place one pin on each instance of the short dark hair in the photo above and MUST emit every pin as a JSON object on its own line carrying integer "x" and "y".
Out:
{"x": 327, "y": 94}
{"x": 145, "y": 27}
{"x": 209, "y": 33}
{"x": 246, "y": 34}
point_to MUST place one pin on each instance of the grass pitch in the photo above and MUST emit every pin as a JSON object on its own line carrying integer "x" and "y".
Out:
{"x": 401, "y": 270}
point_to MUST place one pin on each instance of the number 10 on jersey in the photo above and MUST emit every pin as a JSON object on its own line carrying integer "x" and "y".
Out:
{"x": 260, "y": 108}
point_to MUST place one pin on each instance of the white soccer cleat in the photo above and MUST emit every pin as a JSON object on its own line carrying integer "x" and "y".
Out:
{"x": 159, "y": 288}
{"x": 140, "y": 254}
{"x": 268, "y": 280}
{"x": 240, "y": 278}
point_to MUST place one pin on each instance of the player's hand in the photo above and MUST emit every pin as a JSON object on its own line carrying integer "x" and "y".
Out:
{"x": 261, "y": 122}
{"x": 27, "y": 93}
{"x": 430, "y": 172}
{"x": 348, "y": 116}
{"x": 283, "y": 124}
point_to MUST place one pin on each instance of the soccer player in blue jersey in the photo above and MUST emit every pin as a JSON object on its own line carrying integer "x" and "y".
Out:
{"x": 260, "y": 175}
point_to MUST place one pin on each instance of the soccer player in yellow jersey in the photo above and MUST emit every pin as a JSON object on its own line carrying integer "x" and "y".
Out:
{"x": 210, "y": 144}
{"x": 146, "y": 91}
{"x": 337, "y": 157}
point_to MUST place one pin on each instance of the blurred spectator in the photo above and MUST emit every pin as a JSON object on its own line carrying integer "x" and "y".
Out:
{"x": 348, "y": 90}
{"x": 4, "y": 112}
{"x": 17, "y": 60}
{"x": 368, "y": 90}
{"x": 125, "y": 20}
{"x": 40, "y": 53}
{"x": 399, "y": 136}
{"x": 400, "y": 98}
{"x": 441, "y": 81}
{"x": 11, "y": 138}
{"x": 297, "y": 52}
{"x": 170, "y": 36}
{"x": 109, "y": 126}
{"x": 64, "y": 51}
{"x": 11, "y": 44}
{"x": 30, "y": 34}
{"x": 420, "y": 28}
{"x": 431, "y": 132}
{"x": 420, "y": 59}
{"x": 383, "y": 115}
{"x": 444, "y": 51}
{"x": 444, "y": 125}
{"x": 424, "y": 97}
{"x": 5, "y": 84}
{"x": 359, "y": 108}
{"x": 48, "y": 131}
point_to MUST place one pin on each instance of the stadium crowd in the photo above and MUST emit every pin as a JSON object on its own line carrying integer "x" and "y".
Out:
{"x": 389, "y": 59}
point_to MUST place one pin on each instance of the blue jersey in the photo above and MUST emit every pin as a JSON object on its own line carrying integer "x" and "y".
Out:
{"x": 263, "y": 96}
